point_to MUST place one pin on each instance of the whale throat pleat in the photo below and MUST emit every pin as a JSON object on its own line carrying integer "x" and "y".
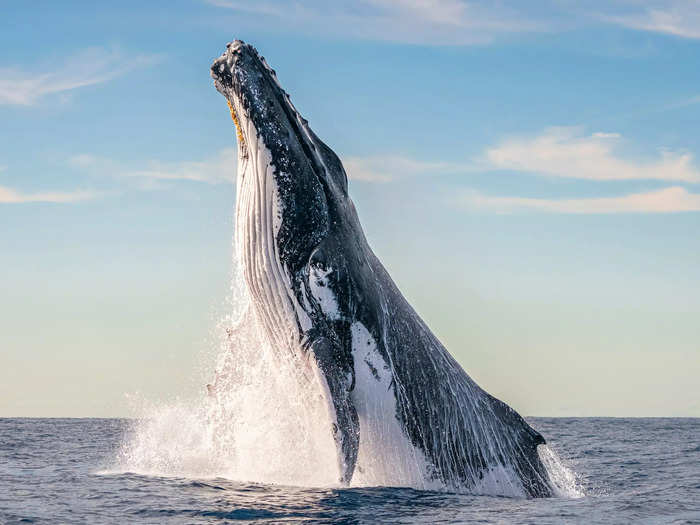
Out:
{"x": 255, "y": 235}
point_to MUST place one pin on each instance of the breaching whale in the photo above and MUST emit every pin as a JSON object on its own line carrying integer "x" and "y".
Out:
{"x": 320, "y": 292}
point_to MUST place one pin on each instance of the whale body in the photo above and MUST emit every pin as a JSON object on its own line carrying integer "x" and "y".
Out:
{"x": 324, "y": 299}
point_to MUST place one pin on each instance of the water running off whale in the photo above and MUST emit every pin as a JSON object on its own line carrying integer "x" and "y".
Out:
{"x": 328, "y": 375}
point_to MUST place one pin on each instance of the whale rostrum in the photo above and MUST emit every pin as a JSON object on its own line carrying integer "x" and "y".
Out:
{"x": 319, "y": 292}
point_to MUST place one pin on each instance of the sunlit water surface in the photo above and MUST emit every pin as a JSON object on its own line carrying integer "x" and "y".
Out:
{"x": 629, "y": 470}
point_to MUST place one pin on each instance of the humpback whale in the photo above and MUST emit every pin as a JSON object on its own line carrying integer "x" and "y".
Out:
{"x": 324, "y": 299}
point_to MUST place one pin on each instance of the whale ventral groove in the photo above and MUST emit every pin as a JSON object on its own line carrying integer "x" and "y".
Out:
{"x": 318, "y": 290}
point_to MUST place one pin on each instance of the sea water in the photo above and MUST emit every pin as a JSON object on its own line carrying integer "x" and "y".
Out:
{"x": 63, "y": 471}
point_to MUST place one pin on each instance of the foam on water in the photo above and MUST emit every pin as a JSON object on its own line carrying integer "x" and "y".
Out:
{"x": 263, "y": 420}
{"x": 564, "y": 480}
{"x": 635, "y": 470}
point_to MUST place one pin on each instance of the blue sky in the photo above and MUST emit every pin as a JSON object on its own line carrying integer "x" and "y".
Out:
{"x": 529, "y": 175}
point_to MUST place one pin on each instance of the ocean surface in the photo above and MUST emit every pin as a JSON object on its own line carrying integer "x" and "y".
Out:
{"x": 627, "y": 470}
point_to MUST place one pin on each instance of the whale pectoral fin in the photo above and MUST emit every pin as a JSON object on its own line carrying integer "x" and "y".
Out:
{"x": 533, "y": 473}
{"x": 346, "y": 432}
{"x": 528, "y": 436}
{"x": 338, "y": 373}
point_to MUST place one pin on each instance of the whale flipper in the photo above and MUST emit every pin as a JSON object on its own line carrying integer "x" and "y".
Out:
{"x": 337, "y": 373}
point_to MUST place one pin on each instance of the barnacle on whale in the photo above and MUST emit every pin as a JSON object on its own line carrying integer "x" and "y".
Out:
{"x": 235, "y": 121}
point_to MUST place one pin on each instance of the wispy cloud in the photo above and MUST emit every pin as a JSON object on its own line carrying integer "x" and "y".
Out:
{"x": 219, "y": 169}
{"x": 463, "y": 22}
{"x": 385, "y": 168}
{"x": 667, "y": 200}
{"x": 435, "y": 22}
{"x": 675, "y": 17}
{"x": 566, "y": 152}
{"x": 690, "y": 101}
{"x": 25, "y": 86}
{"x": 556, "y": 152}
{"x": 256, "y": 8}
{"x": 11, "y": 196}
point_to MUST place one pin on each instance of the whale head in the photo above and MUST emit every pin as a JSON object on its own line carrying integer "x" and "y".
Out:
{"x": 309, "y": 177}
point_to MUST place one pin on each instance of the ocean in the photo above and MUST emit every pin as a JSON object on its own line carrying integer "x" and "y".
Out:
{"x": 641, "y": 470}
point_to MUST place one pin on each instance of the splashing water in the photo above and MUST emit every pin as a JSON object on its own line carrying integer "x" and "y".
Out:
{"x": 564, "y": 480}
{"x": 263, "y": 419}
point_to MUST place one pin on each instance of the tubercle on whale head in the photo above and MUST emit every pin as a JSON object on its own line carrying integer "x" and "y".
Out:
{"x": 250, "y": 87}
{"x": 255, "y": 96}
